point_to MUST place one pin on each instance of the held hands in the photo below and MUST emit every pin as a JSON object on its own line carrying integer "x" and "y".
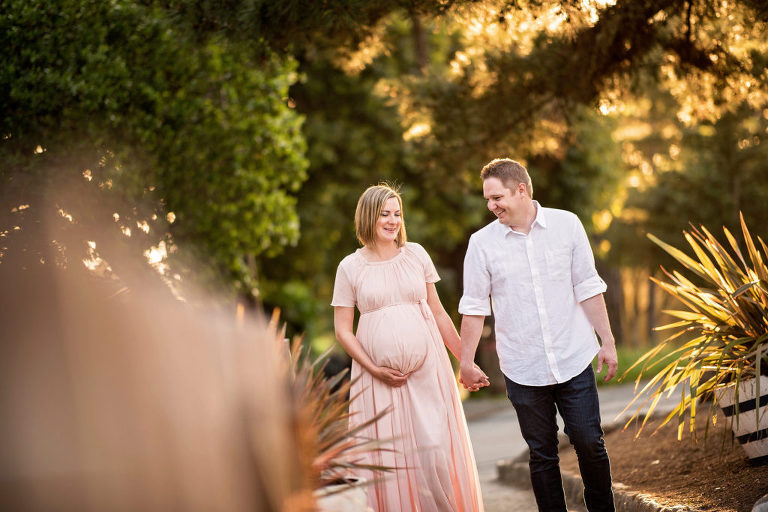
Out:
{"x": 390, "y": 376}
{"x": 607, "y": 355}
{"x": 473, "y": 378}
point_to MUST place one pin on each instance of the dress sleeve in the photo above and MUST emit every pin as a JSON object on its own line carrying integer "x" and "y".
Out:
{"x": 430, "y": 272}
{"x": 343, "y": 291}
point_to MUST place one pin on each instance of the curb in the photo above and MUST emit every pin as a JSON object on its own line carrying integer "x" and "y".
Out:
{"x": 515, "y": 472}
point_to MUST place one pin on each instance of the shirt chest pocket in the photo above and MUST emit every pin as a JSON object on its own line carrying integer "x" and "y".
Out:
{"x": 499, "y": 267}
{"x": 559, "y": 264}
{"x": 508, "y": 265}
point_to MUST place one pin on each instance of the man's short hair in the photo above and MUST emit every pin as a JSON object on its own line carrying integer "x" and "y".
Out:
{"x": 509, "y": 172}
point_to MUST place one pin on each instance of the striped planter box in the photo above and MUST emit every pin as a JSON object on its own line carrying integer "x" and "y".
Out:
{"x": 752, "y": 436}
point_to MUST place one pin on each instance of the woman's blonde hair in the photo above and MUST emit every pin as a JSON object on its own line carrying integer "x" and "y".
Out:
{"x": 368, "y": 211}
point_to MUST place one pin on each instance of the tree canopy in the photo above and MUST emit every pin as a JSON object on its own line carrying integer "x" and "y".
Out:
{"x": 241, "y": 133}
{"x": 188, "y": 128}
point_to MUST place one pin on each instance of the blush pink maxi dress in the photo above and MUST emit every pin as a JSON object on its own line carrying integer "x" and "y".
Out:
{"x": 425, "y": 433}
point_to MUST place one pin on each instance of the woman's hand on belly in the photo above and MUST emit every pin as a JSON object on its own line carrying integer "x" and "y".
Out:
{"x": 390, "y": 376}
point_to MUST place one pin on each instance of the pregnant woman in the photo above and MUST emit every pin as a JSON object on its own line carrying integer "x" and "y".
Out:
{"x": 400, "y": 363}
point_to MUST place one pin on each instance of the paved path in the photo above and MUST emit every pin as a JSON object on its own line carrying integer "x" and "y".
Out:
{"x": 496, "y": 436}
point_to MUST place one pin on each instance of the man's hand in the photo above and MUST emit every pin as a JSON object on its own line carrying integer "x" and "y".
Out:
{"x": 472, "y": 377}
{"x": 608, "y": 356}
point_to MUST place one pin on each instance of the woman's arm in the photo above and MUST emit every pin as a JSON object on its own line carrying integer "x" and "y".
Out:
{"x": 448, "y": 331}
{"x": 343, "y": 319}
{"x": 444, "y": 323}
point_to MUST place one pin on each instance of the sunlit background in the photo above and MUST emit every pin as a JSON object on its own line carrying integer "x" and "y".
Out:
{"x": 212, "y": 136}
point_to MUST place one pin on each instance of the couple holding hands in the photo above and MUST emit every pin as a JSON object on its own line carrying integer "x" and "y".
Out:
{"x": 535, "y": 265}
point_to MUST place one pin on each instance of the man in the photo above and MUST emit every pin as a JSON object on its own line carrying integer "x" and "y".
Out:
{"x": 536, "y": 265}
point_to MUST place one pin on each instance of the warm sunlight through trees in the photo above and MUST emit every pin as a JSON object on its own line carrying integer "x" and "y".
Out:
{"x": 258, "y": 126}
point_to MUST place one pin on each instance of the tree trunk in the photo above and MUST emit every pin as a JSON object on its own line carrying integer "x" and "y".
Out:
{"x": 651, "y": 312}
{"x": 419, "y": 44}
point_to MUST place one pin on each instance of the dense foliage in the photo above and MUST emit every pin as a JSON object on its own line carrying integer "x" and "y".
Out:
{"x": 243, "y": 132}
{"x": 175, "y": 124}
{"x": 599, "y": 100}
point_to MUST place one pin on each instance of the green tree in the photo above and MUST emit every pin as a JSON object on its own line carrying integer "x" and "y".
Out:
{"x": 356, "y": 137}
{"x": 522, "y": 67}
{"x": 183, "y": 126}
{"x": 195, "y": 108}
{"x": 720, "y": 169}
{"x": 181, "y": 107}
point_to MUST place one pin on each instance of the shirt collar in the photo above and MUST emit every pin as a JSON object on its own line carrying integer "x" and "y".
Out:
{"x": 541, "y": 220}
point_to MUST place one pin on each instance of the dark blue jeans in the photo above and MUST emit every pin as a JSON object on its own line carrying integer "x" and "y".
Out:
{"x": 577, "y": 402}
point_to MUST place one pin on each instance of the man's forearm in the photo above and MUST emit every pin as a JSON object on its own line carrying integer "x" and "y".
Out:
{"x": 471, "y": 329}
{"x": 597, "y": 314}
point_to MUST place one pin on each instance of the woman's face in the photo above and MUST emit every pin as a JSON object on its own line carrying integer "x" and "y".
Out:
{"x": 388, "y": 225}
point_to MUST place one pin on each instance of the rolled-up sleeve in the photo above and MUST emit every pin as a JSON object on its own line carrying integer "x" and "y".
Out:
{"x": 477, "y": 282}
{"x": 586, "y": 282}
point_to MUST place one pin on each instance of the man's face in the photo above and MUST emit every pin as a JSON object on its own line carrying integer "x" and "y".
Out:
{"x": 506, "y": 204}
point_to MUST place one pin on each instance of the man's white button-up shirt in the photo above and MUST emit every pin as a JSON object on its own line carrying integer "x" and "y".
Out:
{"x": 536, "y": 283}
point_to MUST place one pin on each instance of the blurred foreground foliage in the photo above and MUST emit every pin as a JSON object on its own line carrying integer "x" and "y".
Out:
{"x": 120, "y": 396}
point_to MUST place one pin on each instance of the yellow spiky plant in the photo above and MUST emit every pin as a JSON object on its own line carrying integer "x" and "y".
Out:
{"x": 723, "y": 324}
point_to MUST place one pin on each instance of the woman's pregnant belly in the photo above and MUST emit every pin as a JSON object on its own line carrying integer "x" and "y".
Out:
{"x": 396, "y": 337}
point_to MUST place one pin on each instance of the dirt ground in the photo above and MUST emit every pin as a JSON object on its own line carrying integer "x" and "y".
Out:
{"x": 711, "y": 475}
